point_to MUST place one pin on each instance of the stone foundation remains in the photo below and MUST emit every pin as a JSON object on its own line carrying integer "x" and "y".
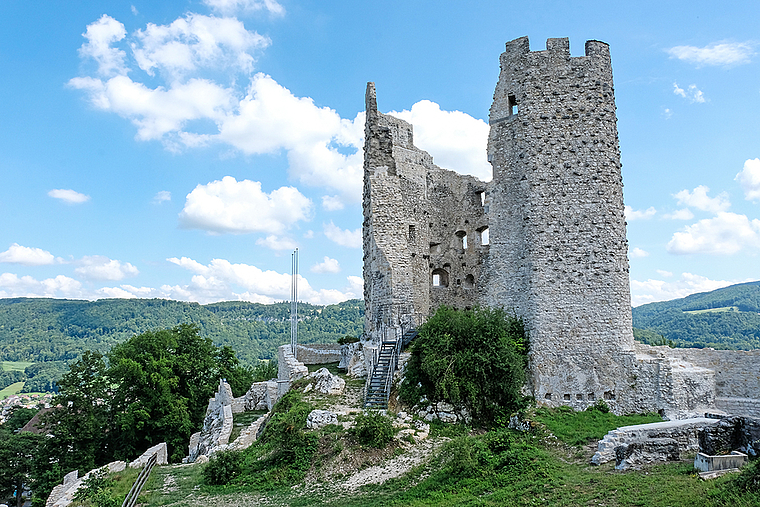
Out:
{"x": 545, "y": 238}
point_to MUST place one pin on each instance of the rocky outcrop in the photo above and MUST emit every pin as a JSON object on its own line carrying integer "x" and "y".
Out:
{"x": 320, "y": 418}
{"x": 444, "y": 412}
{"x": 327, "y": 383}
{"x": 352, "y": 359}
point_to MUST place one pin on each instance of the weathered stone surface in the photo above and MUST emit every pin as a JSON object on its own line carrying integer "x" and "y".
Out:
{"x": 289, "y": 368}
{"x": 352, "y": 360}
{"x": 319, "y": 353}
{"x": 684, "y": 432}
{"x": 319, "y": 418}
{"x": 707, "y": 463}
{"x": 731, "y": 434}
{"x": 217, "y": 425}
{"x": 646, "y": 452}
{"x": 63, "y": 494}
{"x": 444, "y": 412}
{"x": 161, "y": 456}
{"x": 327, "y": 383}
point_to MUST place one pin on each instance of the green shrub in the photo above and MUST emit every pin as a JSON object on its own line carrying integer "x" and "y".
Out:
{"x": 373, "y": 429}
{"x": 749, "y": 479}
{"x": 473, "y": 358}
{"x": 222, "y": 468}
{"x": 265, "y": 370}
{"x": 600, "y": 406}
{"x": 96, "y": 491}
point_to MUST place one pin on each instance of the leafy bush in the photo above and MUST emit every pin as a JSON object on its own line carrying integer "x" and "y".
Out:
{"x": 265, "y": 370}
{"x": 222, "y": 468}
{"x": 749, "y": 479}
{"x": 96, "y": 491}
{"x": 373, "y": 429}
{"x": 600, "y": 406}
{"x": 476, "y": 358}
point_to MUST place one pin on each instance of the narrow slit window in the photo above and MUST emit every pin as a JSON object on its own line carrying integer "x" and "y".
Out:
{"x": 484, "y": 238}
{"x": 512, "y": 105}
{"x": 440, "y": 278}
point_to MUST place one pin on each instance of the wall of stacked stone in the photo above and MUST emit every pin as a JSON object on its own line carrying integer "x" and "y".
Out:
{"x": 318, "y": 353}
{"x": 288, "y": 367}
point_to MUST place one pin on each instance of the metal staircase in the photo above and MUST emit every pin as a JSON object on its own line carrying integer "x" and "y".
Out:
{"x": 384, "y": 364}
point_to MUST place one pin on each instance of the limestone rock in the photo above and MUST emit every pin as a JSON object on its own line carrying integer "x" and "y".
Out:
{"x": 352, "y": 360}
{"x": 731, "y": 434}
{"x": 327, "y": 383}
{"x": 158, "y": 449}
{"x": 320, "y": 418}
{"x": 646, "y": 452}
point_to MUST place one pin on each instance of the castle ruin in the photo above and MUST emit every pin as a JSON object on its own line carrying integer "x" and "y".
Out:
{"x": 545, "y": 238}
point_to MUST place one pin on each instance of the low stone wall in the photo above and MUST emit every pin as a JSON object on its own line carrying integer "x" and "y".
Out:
{"x": 288, "y": 367}
{"x": 319, "y": 353}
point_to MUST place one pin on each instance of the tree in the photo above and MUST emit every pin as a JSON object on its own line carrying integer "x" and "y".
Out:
{"x": 473, "y": 358}
{"x": 16, "y": 453}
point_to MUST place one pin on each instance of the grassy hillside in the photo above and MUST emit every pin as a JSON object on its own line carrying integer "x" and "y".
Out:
{"x": 727, "y": 318}
{"x": 41, "y": 330}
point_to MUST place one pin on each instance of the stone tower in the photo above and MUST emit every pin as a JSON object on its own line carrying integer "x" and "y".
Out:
{"x": 558, "y": 233}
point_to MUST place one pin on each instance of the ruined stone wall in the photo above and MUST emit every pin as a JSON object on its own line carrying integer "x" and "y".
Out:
{"x": 417, "y": 220}
{"x": 318, "y": 353}
{"x": 558, "y": 236}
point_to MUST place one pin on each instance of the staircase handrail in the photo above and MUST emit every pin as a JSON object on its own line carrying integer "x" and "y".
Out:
{"x": 142, "y": 478}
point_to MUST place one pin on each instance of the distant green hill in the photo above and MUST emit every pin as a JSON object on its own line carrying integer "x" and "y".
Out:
{"x": 41, "y": 330}
{"x": 727, "y": 318}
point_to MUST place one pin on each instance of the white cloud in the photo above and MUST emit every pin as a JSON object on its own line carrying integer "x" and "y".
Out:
{"x": 332, "y": 203}
{"x": 277, "y": 242}
{"x": 309, "y": 234}
{"x": 717, "y": 53}
{"x": 68, "y": 196}
{"x": 631, "y": 214}
{"x": 727, "y": 233}
{"x": 355, "y": 286}
{"x": 232, "y": 7}
{"x": 162, "y": 196}
{"x": 98, "y": 267}
{"x": 638, "y": 252}
{"x": 12, "y": 285}
{"x": 698, "y": 199}
{"x": 667, "y": 113}
{"x": 456, "y": 140}
{"x": 692, "y": 93}
{"x": 231, "y": 206}
{"x": 680, "y": 214}
{"x": 195, "y": 42}
{"x": 649, "y": 291}
{"x": 100, "y": 36}
{"x": 348, "y": 238}
{"x": 219, "y": 280}
{"x": 328, "y": 265}
{"x": 749, "y": 179}
{"x": 29, "y": 256}
{"x": 664, "y": 273}
{"x": 134, "y": 10}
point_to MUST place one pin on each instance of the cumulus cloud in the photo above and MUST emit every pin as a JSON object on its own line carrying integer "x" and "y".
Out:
{"x": 12, "y": 285}
{"x": 28, "y": 256}
{"x": 194, "y": 42}
{"x": 456, "y": 140}
{"x": 343, "y": 237}
{"x": 222, "y": 280}
{"x": 232, "y": 7}
{"x": 649, "y": 291}
{"x": 275, "y": 242}
{"x": 162, "y": 196}
{"x": 691, "y": 93}
{"x": 717, "y": 53}
{"x": 631, "y": 214}
{"x": 231, "y": 206}
{"x": 749, "y": 179}
{"x": 638, "y": 252}
{"x": 332, "y": 203}
{"x": 98, "y": 267}
{"x": 726, "y": 233}
{"x": 328, "y": 265}
{"x": 68, "y": 196}
{"x": 680, "y": 214}
{"x": 100, "y": 36}
{"x": 698, "y": 198}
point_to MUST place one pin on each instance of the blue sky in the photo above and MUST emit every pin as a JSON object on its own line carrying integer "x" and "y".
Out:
{"x": 182, "y": 149}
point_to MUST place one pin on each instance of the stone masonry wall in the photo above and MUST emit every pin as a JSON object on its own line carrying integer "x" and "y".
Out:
{"x": 558, "y": 236}
{"x": 318, "y": 353}
{"x": 422, "y": 229}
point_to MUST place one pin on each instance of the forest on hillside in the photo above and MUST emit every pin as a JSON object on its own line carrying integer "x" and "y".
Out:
{"x": 727, "y": 318}
{"x": 45, "y": 330}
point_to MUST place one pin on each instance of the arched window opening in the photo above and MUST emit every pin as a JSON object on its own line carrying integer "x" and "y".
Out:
{"x": 469, "y": 282}
{"x": 462, "y": 235}
{"x": 484, "y": 236}
{"x": 440, "y": 278}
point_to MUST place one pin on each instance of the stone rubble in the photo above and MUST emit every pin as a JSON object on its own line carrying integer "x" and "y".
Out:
{"x": 327, "y": 383}
{"x": 320, "y": 418}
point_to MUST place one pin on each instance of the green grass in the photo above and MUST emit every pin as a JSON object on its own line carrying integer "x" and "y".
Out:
{"x": 11, "y": 390}
{"x": 724, "y": 309}
{"x": 15, "y": 365}
{"x": 579, "y": 428}
{"x": 243, "y": 420}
